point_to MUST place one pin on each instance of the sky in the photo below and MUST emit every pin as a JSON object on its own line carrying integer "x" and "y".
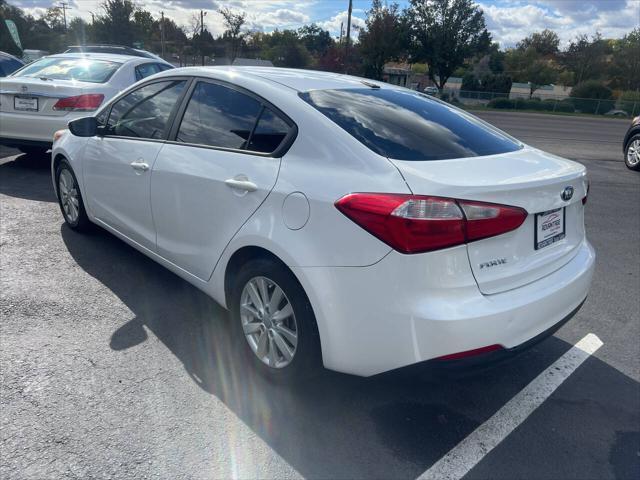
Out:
{"x": 508, "y": 21}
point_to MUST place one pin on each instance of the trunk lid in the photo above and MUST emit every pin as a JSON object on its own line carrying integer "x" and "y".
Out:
{"x": 37, "y": 96}
{"x": 528, "y": 178}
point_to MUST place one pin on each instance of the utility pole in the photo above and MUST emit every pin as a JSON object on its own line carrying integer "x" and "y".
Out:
{"x": 93, "y": 18}
{"x": 162, "y": 32}
{"x": 64, "y": 6}
{"x": 349, "y": 24}
{"x": 202, "y": 14}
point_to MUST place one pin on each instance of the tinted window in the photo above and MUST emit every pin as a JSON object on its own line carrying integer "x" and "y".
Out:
{"x": 146, "y": 70}
{"x": 145, "y": 112}
{"x": 81, "y": 69}
{"x": 8, "y": 65}
{"x": 269, "y": 133}
{"x": 406, "y": 125}
{"x": 218, "y": 116}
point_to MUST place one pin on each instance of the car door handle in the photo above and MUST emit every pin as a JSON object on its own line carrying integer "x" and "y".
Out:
{"x": 140, "y": 166}
{"x": 241, "y": 184}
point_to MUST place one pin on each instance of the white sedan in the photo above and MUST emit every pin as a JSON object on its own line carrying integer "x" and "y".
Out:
{"x": 44, "y": 96}
{"x": 342, "y": 221}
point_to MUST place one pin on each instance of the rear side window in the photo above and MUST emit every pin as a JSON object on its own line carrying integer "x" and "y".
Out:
{"x": 145, "y": 112}
{"x": 269, "y": 134}
{"x": 218, "y": 116}
{"x": 80, "y": 69}
{"x": 406, "y": 125}
{"x": 8, "y": 65}
{"x": 147, "y": 69}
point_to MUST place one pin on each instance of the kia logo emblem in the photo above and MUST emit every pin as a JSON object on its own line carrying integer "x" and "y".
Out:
{"x": 24, "y": 88}
{"x": 567, "y": 193}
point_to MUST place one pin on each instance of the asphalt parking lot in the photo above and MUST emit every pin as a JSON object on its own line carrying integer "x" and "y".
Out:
{"x": 112, "y": 367}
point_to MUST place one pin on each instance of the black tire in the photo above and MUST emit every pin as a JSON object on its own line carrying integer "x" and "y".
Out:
{"x": 306, "y": 361}
{"x": 82, "y": 222}
{"x": 33, "y": 151}
{"x": 635, "y": 167}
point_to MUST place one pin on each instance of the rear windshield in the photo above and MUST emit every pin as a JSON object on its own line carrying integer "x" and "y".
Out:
{"x": 81, "y": 69}
{"x": 406, "y": 125}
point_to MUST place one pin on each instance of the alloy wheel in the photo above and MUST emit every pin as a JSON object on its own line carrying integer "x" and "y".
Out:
{"x": 633, "y": 153}
{"x": 268, "y": 322}
{"x": 69, "y": 197}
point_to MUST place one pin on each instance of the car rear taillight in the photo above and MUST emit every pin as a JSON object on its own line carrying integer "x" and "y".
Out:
{"x": 80, "y": 103}
{"x": 417, "y": 223}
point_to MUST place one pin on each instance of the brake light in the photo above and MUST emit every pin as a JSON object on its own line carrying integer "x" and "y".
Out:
{"x": 80, "y": 103}
{"x": 417, "y": 223}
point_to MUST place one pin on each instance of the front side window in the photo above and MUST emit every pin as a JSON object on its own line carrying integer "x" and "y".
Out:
{"x": 145, "y": 112}
{"x": 80, "y": 69}
{"x": 405, "y": 125}
{"x": 218, "y": 116}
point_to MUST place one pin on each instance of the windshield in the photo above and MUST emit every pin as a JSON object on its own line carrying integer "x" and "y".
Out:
{"x": 81, "y": 69}
{"x": 406, "y": 125}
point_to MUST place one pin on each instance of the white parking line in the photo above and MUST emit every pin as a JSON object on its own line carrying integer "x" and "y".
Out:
{"x": 464, "y": 456}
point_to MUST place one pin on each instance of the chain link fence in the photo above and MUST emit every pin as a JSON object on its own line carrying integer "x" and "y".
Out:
{"x": 542, "y": 102}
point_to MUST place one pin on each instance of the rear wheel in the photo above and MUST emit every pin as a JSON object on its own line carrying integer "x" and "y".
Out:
{"x": 274, "y": 322}
{"x": 70, "y": 199}
{"x": 632, "y": 153}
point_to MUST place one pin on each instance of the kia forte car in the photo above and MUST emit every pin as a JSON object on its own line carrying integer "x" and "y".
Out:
{"x": 343, "y": 222}
{"x": 44, "y": 96}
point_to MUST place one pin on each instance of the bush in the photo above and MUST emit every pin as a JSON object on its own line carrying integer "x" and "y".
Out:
{"x": 500, "y": 103}
{"x": 592, "y": 97}
{"x": 565, "y": 106}
{"x": 629, "y": 101}
{"x": 549, "y": 105}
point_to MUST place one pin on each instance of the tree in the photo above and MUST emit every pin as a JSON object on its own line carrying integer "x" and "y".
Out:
{"x": 381, "y": 40}
{"x": 586, "y": 58}
{"x": 445, "y": 33}
{"x": 626, "y": 61}
{"x": 546, "y": 42}
{"x": 316, "y": 40}
{"x": 540, "y": 72}
{"x": 284, "y": 49}
{"x": 233, "y": 22}
{"x": 54, "y": 18}
{"x": 528, "y": 66}
{"x": 77, "y": 32}
{"x": 116, "y": 25}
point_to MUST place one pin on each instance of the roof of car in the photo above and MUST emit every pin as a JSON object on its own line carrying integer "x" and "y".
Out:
{"x": 296, "y": 79}
{"x": 112, "y": 57}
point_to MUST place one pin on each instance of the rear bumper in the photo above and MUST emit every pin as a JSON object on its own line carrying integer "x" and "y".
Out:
{"x": 408, "y": 309}
{"x": 18, "y": 129}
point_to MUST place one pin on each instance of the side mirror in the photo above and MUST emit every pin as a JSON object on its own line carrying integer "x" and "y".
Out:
{"x": 84, "y": 127}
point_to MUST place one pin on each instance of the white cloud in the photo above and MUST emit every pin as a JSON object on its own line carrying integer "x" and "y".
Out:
{"x": 510, "y": 21}
{"x": 333, "y": 24}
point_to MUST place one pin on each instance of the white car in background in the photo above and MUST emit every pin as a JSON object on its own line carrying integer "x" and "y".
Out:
{"x": 44, "y": 96}
{"x": 337, "y": 218}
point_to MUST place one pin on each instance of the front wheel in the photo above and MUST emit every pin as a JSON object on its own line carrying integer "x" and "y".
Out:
{"x": 70, "y": 198}
{"x": 274, "y": 321}
{"x": 632, "y": 153}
